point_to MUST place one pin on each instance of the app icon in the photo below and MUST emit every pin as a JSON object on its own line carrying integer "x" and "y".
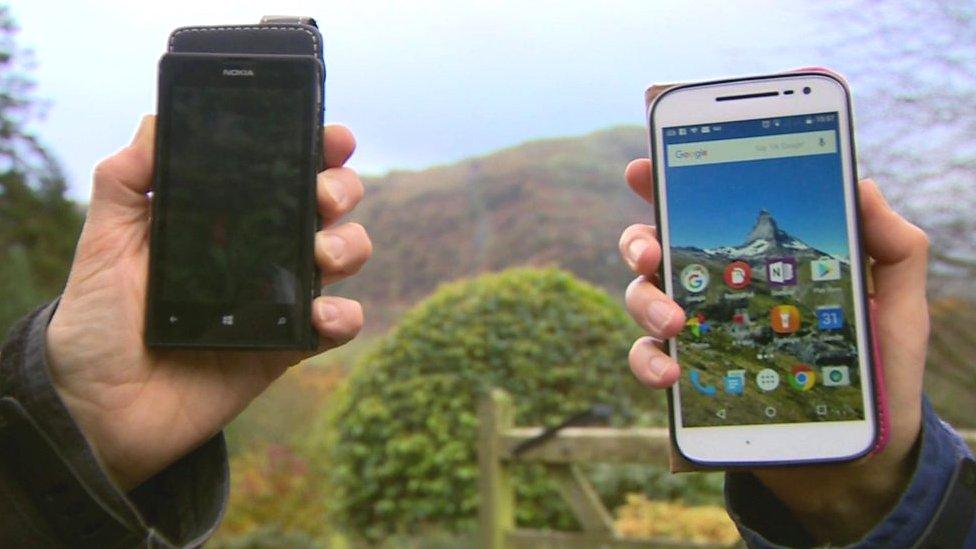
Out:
{"x": 694, "y": 277}
{"x": 821, "y": 409}
{"x": 738, "y": 275}
{"x": 735, "y": 382}
{"x": 767, "y": 379}
{"x": 802, "y": 377}
{"x": 706, "y": 390}
{"x": 698, "y": 325}
{"x": 770, "y": 412}
{"x": 781, "y": 271}
{"x": 830, "y": 317}
{"x": 741, "y": 323}
{"x": 784, "y": 319}
{"x": 836, "y": 376}
{"x": 721, "y": 414}
{"x": 825, "y": 268}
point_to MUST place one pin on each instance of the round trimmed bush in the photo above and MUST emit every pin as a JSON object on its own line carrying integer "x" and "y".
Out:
{"x": 403, "y": 438}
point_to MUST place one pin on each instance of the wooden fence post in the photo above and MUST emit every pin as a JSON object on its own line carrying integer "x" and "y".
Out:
{"x": 496, "y": 512}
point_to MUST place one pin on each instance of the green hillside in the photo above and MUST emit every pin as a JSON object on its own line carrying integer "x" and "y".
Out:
{"x": 554, "y": 202}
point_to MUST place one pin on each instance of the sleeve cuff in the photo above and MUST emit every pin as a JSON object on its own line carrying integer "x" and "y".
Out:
{"x": 764, "y": 521}
{"x": 55, "y": 469}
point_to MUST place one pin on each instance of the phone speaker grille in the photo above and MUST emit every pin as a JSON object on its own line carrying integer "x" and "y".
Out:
{"x": 747, "y": 96}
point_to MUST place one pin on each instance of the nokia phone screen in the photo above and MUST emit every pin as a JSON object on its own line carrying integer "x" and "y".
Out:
{"x": 229, "y": 259}
{"x": 760, "y": 261}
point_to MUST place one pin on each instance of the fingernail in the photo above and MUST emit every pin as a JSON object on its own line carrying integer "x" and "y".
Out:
{"x": 334, "y": 246}
{"x": 327, "y": 312}
{"x": 336, "y": 191}
{"x": 658, "y": 365}
{"x": 636, "y": 248}
{"x": 659, "y": 314}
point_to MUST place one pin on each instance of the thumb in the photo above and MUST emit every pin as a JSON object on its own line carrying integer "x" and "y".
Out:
{"x": 121, "y": 181}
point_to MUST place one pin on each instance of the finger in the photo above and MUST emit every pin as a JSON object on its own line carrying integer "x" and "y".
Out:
{"x": 652, "y": 366}
{"x": 640, "y": 178}
{"x": 639, "y": 247}
{"x": 336, "y": 319}
{"x": 900, "y": 253}
{"x": 338, "y": 144}
{"x": 900, "y": 249}
{"x": 123, "y": 179}
{"x": 341, "y": 251}
{"x": 338, "y": 190}
{"x": 658, "y": 314}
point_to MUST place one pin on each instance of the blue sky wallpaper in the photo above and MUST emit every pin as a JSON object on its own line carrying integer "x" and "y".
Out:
{"x": 717, "y": 204}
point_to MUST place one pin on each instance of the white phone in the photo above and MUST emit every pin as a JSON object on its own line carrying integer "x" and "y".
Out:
{"x": 757, "y": 211}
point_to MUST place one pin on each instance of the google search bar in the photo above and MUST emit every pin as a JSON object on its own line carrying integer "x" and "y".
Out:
{"x": 752, "y": 148}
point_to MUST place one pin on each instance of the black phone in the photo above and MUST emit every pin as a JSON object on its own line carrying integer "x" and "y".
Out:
{"x": 238, "y": 147}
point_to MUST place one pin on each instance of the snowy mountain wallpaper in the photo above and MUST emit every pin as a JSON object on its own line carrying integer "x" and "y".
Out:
{"x": 760, "y": 262}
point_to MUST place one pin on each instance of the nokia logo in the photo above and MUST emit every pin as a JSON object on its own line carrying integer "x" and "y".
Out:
{"x": 238, "y": 72}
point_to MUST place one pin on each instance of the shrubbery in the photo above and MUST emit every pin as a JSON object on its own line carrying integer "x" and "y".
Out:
{"x": 403, "y": 437}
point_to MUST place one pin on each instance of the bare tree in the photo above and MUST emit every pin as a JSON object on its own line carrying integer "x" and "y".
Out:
{"x": 913, "y": 64}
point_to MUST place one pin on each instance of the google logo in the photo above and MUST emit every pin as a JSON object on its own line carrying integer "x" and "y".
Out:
{"x": 694, "y": 277}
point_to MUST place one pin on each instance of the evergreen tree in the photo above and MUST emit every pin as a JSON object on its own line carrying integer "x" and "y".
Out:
{"x": 38, "y": 224}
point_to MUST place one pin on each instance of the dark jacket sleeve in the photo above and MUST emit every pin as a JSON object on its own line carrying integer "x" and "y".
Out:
{"x": 54, "y": 493}
{"x": 938, "y": 508}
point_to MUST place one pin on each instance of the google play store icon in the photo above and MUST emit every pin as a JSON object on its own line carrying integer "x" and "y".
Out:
{"x": 825, "y": 268}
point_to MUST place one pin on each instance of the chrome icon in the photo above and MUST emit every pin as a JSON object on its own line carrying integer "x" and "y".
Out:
{"x": 802, "y": 377}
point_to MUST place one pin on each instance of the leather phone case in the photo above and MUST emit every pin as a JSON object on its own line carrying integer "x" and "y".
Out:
{"x": 275, "y": 35}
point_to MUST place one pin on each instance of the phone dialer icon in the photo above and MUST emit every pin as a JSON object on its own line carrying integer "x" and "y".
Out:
{"x": 696, "y": 382}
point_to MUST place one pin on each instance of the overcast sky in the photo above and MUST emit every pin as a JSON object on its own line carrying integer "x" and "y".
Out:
{"x": 420, "y": 83}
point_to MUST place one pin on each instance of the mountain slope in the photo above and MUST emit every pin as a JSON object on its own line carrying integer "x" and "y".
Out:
{"x": 549, "y": 202}
{"x": 765, "y": 239}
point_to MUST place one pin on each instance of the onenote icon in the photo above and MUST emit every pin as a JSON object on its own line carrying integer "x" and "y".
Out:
{"x": 836, "y": 376}
{"x": 738, "y": 275}
{"x": 767, "y": 379}
{"x": 694, "y": 278}
{"x": 825, "y": 268}
{"x": 781, "y": 271}
{"x": 802, "y": 377}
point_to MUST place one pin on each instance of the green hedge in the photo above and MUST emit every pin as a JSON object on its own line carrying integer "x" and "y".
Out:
{"x": 403, "y": 438}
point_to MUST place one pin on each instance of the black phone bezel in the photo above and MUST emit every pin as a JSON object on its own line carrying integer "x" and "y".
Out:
{"x": 206, "y": 69}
